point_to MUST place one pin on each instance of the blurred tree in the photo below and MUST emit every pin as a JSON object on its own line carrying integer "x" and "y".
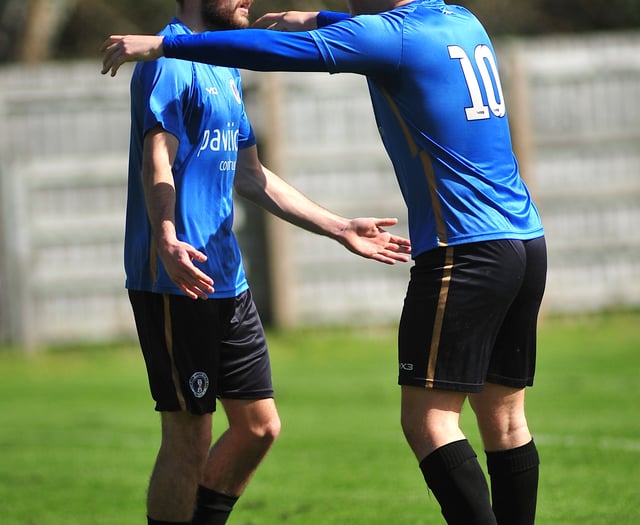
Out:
{"x": 33, "y": 30}
{"x": 533, "y": 17}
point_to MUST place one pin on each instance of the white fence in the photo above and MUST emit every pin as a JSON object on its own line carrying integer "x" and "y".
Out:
{"x": 584, "y": 112}
{"x": 574, "y": 105}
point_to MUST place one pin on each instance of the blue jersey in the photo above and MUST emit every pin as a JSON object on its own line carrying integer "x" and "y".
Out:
{"x": 438, "y": 103}
{"x": 202, "y": 106}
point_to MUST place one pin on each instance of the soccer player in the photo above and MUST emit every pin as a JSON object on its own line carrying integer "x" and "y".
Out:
{"x": 200, "y": 334}
{"x": 468, "y": 326}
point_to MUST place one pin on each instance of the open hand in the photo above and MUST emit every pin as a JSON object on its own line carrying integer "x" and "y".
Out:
{"x": 367, "y": 238}
{"x": 177, "y": 259}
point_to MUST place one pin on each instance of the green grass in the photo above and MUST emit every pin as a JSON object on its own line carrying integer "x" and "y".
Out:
{"x": 78, "y": 434}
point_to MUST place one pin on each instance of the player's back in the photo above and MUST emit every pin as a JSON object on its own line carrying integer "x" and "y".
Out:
{"x": 448, "y": 89}
{"x": 442, "y": 117}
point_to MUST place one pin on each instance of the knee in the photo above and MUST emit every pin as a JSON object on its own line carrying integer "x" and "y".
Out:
{"x": 503, "y": 430}
{"x": 267, "y": 431}
{"x": 258, "y": 435}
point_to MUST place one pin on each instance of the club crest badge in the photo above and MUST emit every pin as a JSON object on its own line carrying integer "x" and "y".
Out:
{"x": 235, "y": 90}
{"x": 199, "y": 384}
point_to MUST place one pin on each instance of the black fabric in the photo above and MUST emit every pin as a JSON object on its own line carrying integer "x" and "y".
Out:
{"x": 514, "y": 484}
{"x": 151, "y": 521}
{"x": 213, "y": 508}
{"x": 453, "y": 474}
{"x": 470, "y": 315}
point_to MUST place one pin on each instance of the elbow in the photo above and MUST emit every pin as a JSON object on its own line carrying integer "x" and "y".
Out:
{"x": 250, "y": 184}
{"x": 242, "y": 188}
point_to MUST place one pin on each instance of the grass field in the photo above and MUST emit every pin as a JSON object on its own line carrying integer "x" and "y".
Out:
{"x": 78, "y": 434}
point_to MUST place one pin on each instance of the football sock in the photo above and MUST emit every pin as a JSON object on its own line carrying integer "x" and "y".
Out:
{"x": 455, "y": 477}
{"x": 213, "y": 508}
{"x": 151, "y": 521}
{"x": 514, "y": 484}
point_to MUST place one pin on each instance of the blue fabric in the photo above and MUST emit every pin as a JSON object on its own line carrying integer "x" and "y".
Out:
{"x": 438, "y": 102}
{"x": 202, "y": 106}
{"x": 326, "y": 18}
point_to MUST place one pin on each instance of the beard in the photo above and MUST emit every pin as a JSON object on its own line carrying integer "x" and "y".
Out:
{"x": 223, "y": 14}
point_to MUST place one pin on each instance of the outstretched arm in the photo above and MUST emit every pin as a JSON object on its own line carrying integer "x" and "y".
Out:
{"x": 363, "y": 236}
{"x": 360, "y": 45}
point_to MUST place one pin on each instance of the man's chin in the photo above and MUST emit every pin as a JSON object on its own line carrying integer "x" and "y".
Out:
{"x": 243, "y": 22}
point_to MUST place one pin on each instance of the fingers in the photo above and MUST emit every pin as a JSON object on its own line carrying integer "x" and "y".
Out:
{"x": 288, "y": 21}
{"x": 197, "y": 284}
{"x": 178, "y": 261}
{"x": 389, "y": 257}
{"x": 110, "y": 41}
{"x": 197, "y": 291}
{"x": 389, "y": 221}
{"x": 113, "y": 55}
{"x": 396, "y": 243}
{"x": 400, "y": 244}
{"x": 392, "y": 256}
{"x": 118, "y": 49}
{"x": 268, "y": 21}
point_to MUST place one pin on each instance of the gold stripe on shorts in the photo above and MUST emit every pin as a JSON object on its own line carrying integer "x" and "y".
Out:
{"x": 168, "y": 335}
{"x": 439, "y": 319}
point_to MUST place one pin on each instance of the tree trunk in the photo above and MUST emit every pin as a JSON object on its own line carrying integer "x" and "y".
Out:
{"x": 44, "y": 20}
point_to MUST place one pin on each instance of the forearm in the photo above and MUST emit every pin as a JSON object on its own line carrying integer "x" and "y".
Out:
{"x": 265, "y": 189}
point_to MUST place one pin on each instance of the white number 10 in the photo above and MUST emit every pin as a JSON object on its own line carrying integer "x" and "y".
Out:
{"x": 483, "y": 57}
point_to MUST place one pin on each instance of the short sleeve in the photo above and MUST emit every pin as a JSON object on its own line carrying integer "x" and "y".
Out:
{"x": 162, "y": 87}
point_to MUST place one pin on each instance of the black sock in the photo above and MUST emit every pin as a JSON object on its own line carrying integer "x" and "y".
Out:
{"x": 151, "y": 521}
{"x": 213, "y": 508}
{"x": 514, "y": 484}
{"x": 453, "y": 474}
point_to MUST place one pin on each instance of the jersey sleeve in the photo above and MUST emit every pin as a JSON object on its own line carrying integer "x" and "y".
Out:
{"x": 326, "y": 18}
{"x": 362, "y": 44}
{"x": 246, "y": 135}
{"x": 162, "y": 88}
{"x": 254, "y": 49}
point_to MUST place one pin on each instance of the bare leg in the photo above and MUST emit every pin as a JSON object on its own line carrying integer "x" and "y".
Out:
{"x": 430, "y": 418}
{"x": 501, "y": 417}
{"x": 234, "y": 458}
{"x": 430, "y": 421}
{"x": 512, "y": 457}
{"x": 179, "y": 466}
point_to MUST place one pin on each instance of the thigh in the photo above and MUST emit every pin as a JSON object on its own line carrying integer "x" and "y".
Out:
{"x": 513, "y": 358}
{"x": 455, "y": 305}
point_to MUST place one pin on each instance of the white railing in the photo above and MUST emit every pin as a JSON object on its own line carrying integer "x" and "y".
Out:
{"x": 574, "y": 109}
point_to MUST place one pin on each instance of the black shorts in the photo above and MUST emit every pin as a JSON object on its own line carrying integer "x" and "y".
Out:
{"x": 470, "y": 316}
{"x": 197, "y": 351}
